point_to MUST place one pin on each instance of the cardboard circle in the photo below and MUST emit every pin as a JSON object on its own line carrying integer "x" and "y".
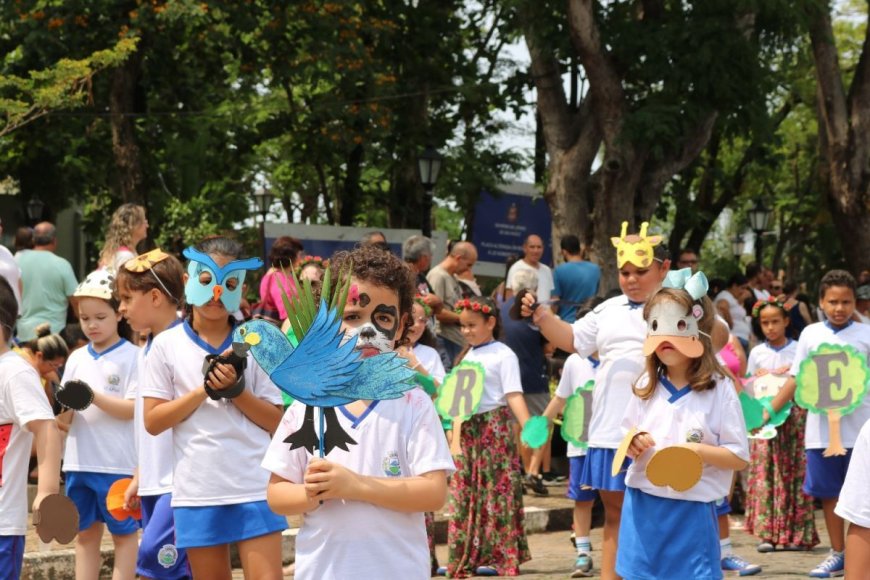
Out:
{"x": 115, "y": 501}
{"x": 622, "y": 452}
{"x": 677, "y": 467}
{"x": 75, "y": 394}
{"x": 56, "y": 518}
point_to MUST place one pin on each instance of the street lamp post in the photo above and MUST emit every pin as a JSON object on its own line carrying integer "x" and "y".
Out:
{"x": 737, "y": 247}
{"x": 429, "y": 164}
{"x": 34, "y": 209}
{"x": 263, "y": 199}
{"x": 759, "y": 217}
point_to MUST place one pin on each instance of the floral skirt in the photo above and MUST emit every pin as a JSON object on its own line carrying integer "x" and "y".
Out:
{"x": 777, "y": 509}
{"x": 486, "y": 500}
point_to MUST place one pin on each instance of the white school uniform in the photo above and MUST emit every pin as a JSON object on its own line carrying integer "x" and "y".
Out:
{"x": 22, "y": 400}
{"x": 431, "y": 361}
{"x": 501, "y": 373}
{"x": 217, "y": 449}
{"x": 765, "y": 356}
{"x": 713, "y": 417}
{"x": 740, "y": 326}
{"x": 98, "y": 442}
{"x": 856, "y": 334}
{"x": 617, "y": 330}
{"x": 352, "y": 539}
{"x": 155, "y": 452}
{"x": 576, "y": 373}
{"x": 853, "y": 504}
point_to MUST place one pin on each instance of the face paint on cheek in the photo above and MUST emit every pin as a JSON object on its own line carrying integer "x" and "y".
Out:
{"x": 364, "y": 300}
{"x": 389, "y": 332}
{"x": 368, "y": 337}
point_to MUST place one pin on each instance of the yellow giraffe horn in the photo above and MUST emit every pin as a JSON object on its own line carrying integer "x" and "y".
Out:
{"x": 643, "y": 228}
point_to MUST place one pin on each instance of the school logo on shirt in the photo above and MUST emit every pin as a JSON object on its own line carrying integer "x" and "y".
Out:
{"x": 391, "y": 465}
{"x": 694, "y": 436}
{"x": 114, "y": 382}
{"x": 167, "y": 556}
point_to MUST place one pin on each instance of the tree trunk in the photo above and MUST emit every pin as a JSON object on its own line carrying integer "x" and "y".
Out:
{"x": 124, "y": 147}
{"x": 351, "y": 192}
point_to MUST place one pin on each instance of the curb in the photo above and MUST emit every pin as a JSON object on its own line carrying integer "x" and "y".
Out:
{"x": 56, "y": 564}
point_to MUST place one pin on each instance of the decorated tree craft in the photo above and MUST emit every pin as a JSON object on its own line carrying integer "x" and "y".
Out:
{"x": 833, "y": 380}
{"x": 576, "y": 416}
{"x": 536, "y": 431}
{"x": 459, "y": 397}
{"x": 753, "y": 414}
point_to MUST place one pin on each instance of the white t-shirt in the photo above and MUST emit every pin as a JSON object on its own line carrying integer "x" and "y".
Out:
{"x": 764, "y": 356}
{"x": 22, "y": 400}
{"x": 9, "y": 269}
{"x": 98, "y": 442}
{"x": 155, "y": 452}
{"x": 854, "y": 502}
{"x": 616, "y": 330}
{"x": 501, "y": 373}
{"x": 217, "y": 448}
{"x": 352, "y": 539}
{"x": 545, "y": 278}
{"x": 713, "y": 417}
{"x": 430, "y": 360}
{"x": 856, "y": 334}
{"x": 577, "y": 372}
{"x": 740, "y": 321}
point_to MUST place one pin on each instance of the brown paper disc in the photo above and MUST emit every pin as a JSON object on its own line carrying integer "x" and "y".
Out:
{"x": 677, "y": 467}
{"x": 56, "y": 519}
{"x": 622, "y": 451}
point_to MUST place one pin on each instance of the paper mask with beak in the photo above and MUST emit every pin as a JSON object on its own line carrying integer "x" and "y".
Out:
{"x": 207, "y": 281}
{"x": 669, "y": 322}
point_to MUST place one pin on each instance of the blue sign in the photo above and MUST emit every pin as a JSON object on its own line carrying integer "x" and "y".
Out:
{"x": 502, "y": 223}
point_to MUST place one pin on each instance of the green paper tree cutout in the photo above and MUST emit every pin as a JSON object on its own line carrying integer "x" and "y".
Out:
{"x": 832, "y": 377}
{"x": 461, "y": 391}
{"x": 576, "y": 416}
{"x": 536, "y": 431}
{"x": 753, "y": 410}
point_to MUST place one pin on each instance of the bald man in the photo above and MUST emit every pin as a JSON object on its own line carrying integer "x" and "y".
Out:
{"x": 441, "y": 278}
{"x": 533, "y": 249}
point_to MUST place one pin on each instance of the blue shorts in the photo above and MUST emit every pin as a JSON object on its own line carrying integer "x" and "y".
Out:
{"x": 597, "y": 469}
{"x": 88, "y": 491}
{"x": 724, "y": 508}
{"x": 576, "y": 491}
{"x": 11, "y": 557}
{"x": 825, "y": 475}
{"x": 667, "y": 538}
{"x": 199, "y": 527}
{"x": 158, "y": 556}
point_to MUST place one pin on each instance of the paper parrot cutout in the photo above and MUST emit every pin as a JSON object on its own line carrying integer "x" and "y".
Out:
{"x": 322, "y": 370}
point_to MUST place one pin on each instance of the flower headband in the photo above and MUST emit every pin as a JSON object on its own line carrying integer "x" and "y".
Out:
{"x": 309, "y": 260}
{"x": 769, "y": 301}
{"x": 419, "y": 300}
{"x": 466, "y": 304}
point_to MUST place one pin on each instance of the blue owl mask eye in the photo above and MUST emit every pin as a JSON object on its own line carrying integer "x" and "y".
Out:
{"x": 207, "y": 281}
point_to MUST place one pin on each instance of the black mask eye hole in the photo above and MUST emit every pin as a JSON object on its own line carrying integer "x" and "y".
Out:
{"x": 204, "y": 278}
{"x": 654, "y": 325}
{"x": 681, "y": 325}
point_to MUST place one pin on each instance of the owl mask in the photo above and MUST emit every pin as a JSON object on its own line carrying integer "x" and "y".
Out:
{"x": 207, "y": 281}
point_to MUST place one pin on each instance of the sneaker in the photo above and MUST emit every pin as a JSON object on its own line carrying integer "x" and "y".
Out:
{"x": 441, "y": 571}
{"x": 486, "y": 571}
{"x": 765, "y": 547}
{"x": 536, "y": 484}
{"x": 831, "y": 567}
{"x": 551, "y": 478}
{"x": 739, "y": 566}
{"x": 582, "y": 566}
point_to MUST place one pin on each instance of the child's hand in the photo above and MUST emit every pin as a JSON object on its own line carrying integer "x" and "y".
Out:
{"x": 407, "y": 353}
{"x": 782, "y": 370}
{"x": 761, "y": 372}
{"x": 222, "y": 377}
{"x": 640, "y": 443}
{"x": 327, "y": 480}
{"x": 131, "y": 496}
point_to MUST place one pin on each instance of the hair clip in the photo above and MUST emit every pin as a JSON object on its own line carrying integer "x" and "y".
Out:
{"x": 697, "y": 311}
{"x": 145, "y": 261}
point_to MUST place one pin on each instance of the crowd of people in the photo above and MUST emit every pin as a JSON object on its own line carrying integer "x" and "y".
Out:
{"x": 211, "y": 445}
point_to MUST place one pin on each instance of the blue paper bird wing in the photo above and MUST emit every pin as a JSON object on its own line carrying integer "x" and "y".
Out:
{"x": 384, "y": 376}
{"x": 320, "y": 368}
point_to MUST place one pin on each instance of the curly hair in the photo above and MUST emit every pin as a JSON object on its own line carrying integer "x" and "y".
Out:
{"x": 375, "y": 266}
{"x": 126, "y": 218}
{"x": 837, "y": 278}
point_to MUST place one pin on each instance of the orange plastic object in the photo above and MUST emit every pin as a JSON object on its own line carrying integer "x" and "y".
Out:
{"x": 115, "y": 501}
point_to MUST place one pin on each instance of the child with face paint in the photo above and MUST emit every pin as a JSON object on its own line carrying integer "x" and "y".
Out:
{"x": 220, "y": 423}
{"x": 485, "y": 536}
{"x": 683, "y": 399}
{"x": 615, "y": 330}
{"x": 100, "y": 448}
{"x": 364, "y": 505}
{"x": 150, "y": 290}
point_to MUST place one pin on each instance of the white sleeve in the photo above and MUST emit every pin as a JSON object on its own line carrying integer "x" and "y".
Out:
{"x": 800, "y": 354}
{"x": 427, "y": 445}
{"x": 437, "y": 371}
{"x": 732, "y": 426}
{"x": 26, "y": 399}
{"x": 130, "y": 388}
{"x": 854, "y": 502}
{"x": 279, "y": 459}
{"x": 567, "y": 383}
{"x": 157, "y": 377}
{"x": 262, "y": 386}
{"x": 509, "y": 374}
{"x": 586, "y": 334}
{"x": 632, "y": 416}
{"x": 752, "y": 361}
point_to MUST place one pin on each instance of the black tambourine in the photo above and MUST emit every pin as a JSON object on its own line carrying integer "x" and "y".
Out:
{"x": 76, "y": 395}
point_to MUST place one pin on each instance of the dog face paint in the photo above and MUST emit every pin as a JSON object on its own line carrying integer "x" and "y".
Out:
{"x": 372, "y": 316}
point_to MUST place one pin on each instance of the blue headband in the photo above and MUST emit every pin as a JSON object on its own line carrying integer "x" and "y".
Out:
{"x": 199, "y": 293}
{"x": 695, "y": 284}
